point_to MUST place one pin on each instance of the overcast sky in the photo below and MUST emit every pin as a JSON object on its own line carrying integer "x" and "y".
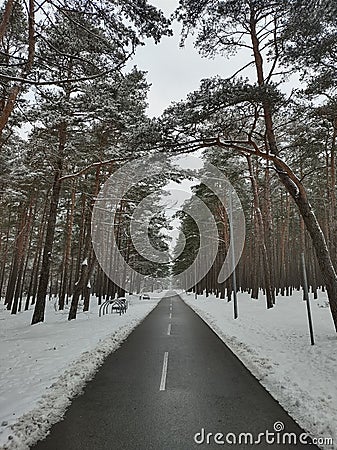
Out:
{"x": 173, "y": 71}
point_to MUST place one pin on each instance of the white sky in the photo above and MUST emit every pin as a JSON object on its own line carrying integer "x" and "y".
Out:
{"x": 173, "y": 71}
{"x": 178, "y": 194}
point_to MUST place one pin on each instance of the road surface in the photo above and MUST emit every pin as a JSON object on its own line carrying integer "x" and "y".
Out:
{"x": 173, "y": 385}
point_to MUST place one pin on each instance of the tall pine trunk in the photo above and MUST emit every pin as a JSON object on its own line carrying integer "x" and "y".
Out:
{"x": 87, "y": 266}
{"x": 40, "y": 304}
{"x": 270, "y": 296}
{"x": 67, "y": 251}
{"x": 297, "y": 191}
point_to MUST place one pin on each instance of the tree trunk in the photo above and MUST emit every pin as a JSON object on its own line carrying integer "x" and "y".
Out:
{"x": 66, "y": 260}
{"x": 22, "y": 250}
{"x": 6, "y": 17}
{"x": 81, "y": 286}
{"x": 297, "y": 191}
{"x": 16, "y": 89}
{"x": 261, "y": 239}
{"x": 82, "y": 283}
{"x": 17, "y": 257}
{"x": 40, "y": 304}
{"x": 4, "y": 256}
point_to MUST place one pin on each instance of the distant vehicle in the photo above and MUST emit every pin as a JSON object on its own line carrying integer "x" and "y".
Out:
{"x": 145, "y": 297}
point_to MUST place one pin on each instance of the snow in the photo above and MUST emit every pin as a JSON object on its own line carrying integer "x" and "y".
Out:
{"x": 275, "y": 346}
{"x": 45, "y": 365}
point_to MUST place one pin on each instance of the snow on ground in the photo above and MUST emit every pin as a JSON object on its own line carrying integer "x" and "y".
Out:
{"x": 275, "y": 346}
{"x": 43, "y": 366}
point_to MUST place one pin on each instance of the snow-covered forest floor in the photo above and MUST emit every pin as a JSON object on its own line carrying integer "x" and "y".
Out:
{"x": 275, "y": 346}
{"x": 45, "y": 365}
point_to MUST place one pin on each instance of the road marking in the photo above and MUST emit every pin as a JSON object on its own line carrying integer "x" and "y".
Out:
{"x": 164, "y": 373}
{"x": 169, "y": 329}
{"x": 170, "y": 315}
{"x": 170, "y": 307}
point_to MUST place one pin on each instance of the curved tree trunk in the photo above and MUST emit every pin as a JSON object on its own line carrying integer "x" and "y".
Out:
{"x": 297, "y": 191}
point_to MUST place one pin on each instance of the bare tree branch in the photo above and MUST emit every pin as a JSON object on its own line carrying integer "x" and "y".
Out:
{"x": 88, "y": 168}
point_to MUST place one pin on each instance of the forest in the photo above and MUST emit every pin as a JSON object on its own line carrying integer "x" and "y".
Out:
{"x": 72, "y": 113}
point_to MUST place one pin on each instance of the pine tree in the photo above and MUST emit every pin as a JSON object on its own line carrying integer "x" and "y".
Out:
{"x": 224, "y": 27}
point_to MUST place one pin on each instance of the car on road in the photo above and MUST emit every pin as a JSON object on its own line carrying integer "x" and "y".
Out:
{"x": 145, "y": 297}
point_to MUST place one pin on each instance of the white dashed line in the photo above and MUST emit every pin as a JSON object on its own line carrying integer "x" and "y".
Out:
{"x": 170, "y": 315}
{"x": 169, "y": 329}
{"x": 164, "y": 373}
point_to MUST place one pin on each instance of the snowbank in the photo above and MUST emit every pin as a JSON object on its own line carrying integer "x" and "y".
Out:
{"x": 275, "y": 346}
{"x": 45, "y": 365}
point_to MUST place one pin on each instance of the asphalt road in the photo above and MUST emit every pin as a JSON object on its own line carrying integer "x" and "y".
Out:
{"x": 171, "y": 379}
